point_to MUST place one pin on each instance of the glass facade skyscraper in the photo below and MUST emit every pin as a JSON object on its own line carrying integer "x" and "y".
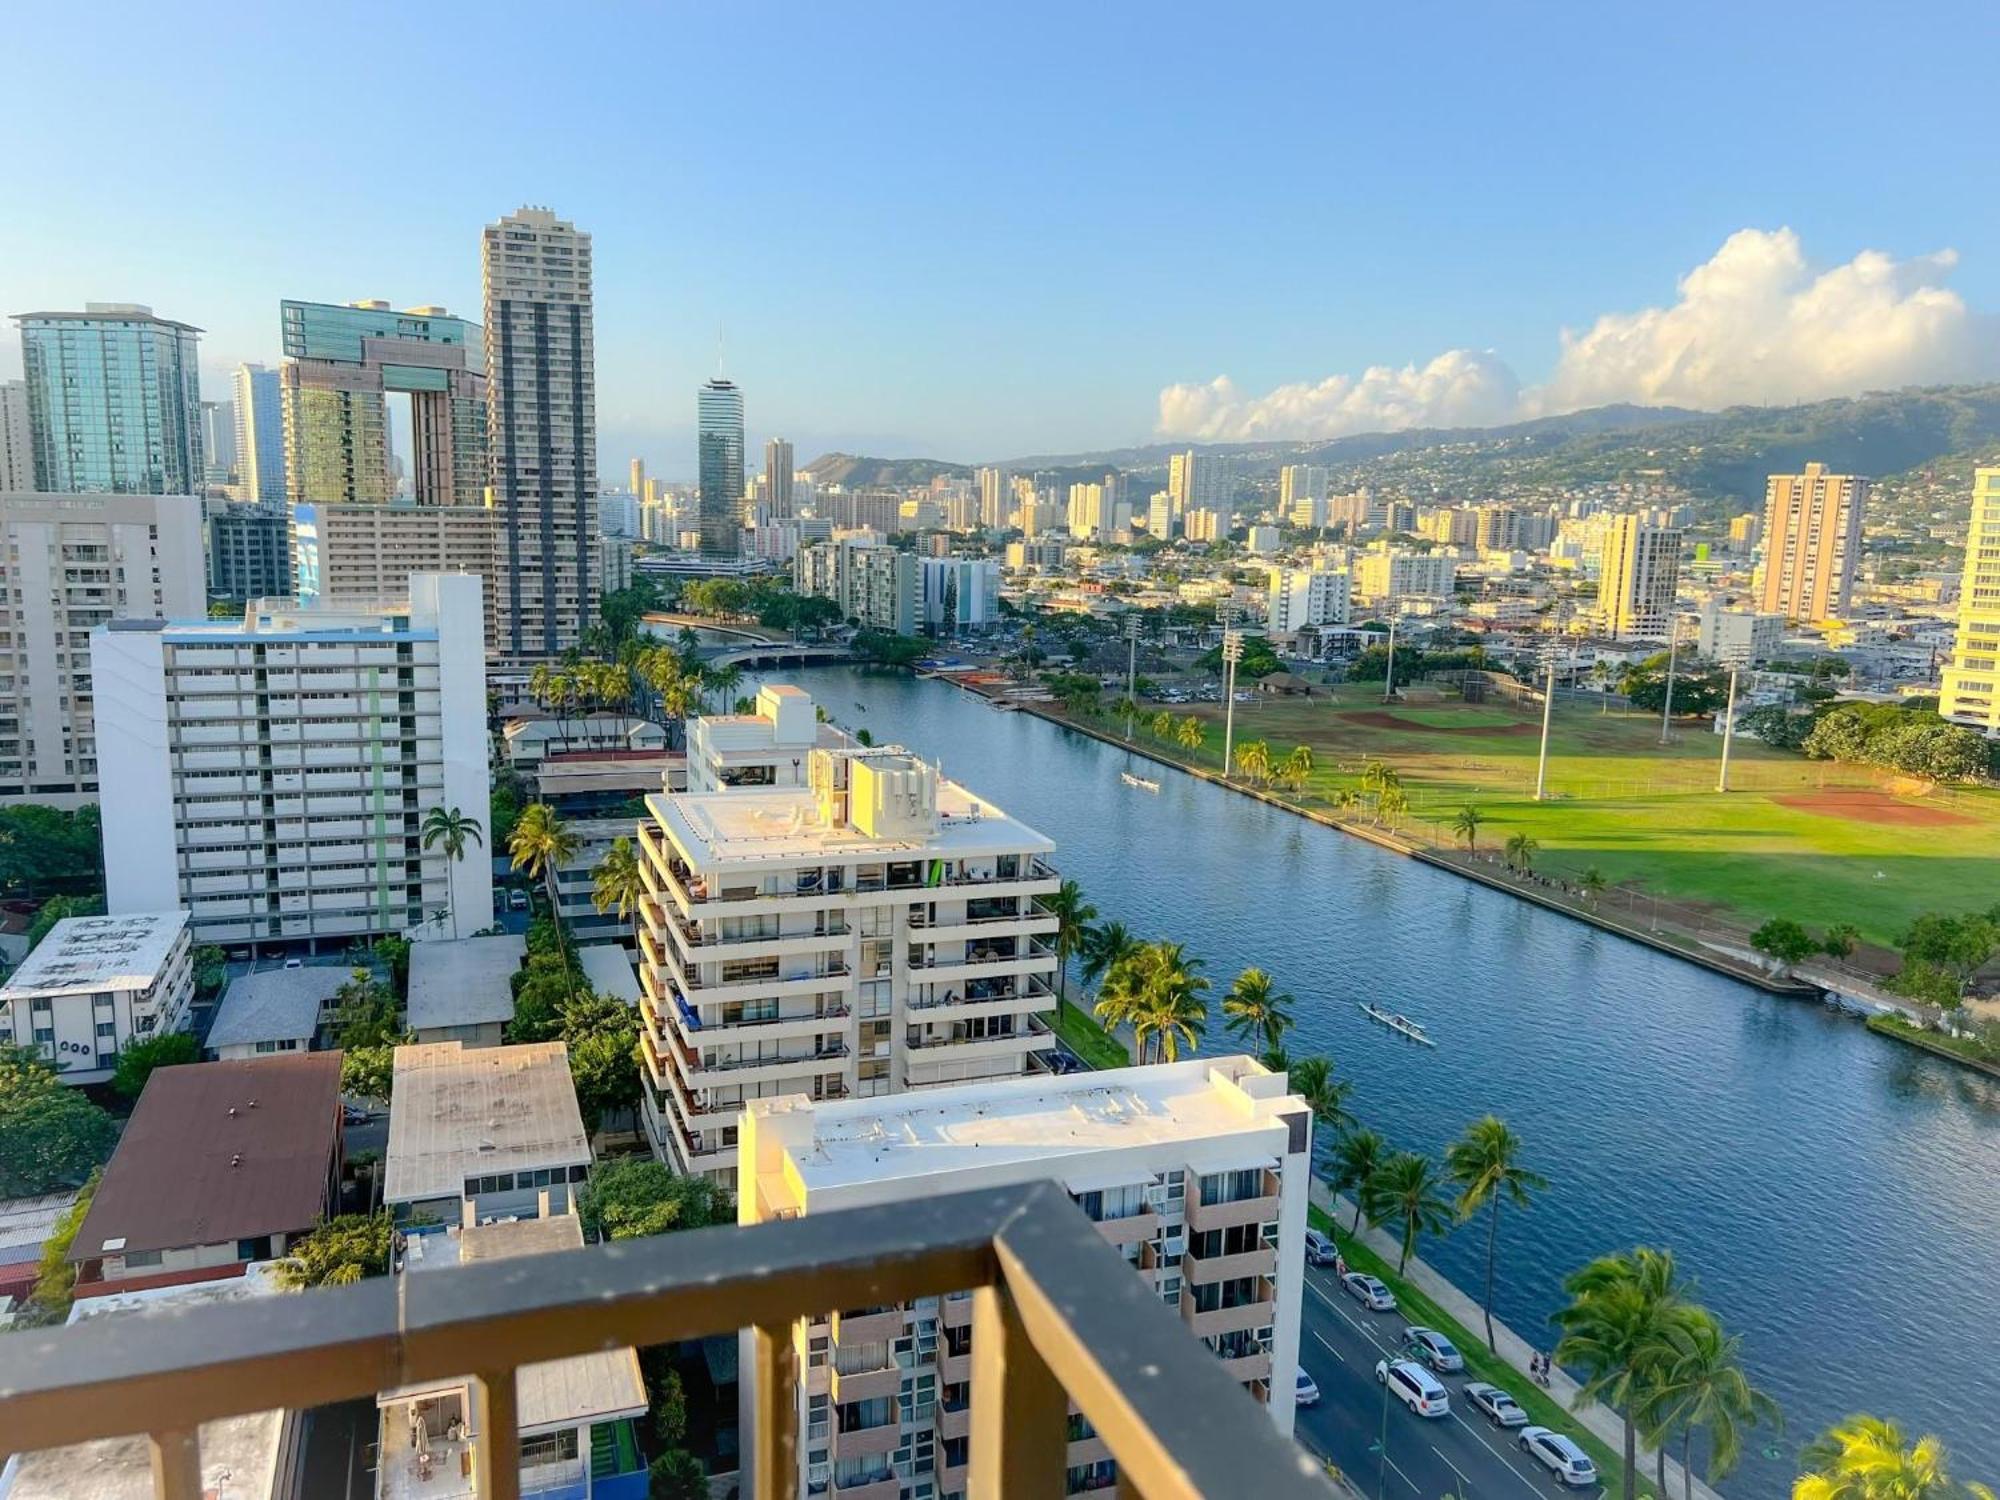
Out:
{"x": 114, "y": 401}
{"x": 719, "y": 441}
{"x": 260, "y": 434}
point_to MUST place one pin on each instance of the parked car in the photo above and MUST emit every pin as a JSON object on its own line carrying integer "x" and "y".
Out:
{"x": 295, "y": 963}
{"x": 1369, "y": 1292}
{"x": 1559, "y": 1456}
{"x": 517, "y": 900}
{"x": 1414, "y": 1386}
{"x": 1499, "y": 1408}
{"x": 1320, "y": 1250}
{"x": 1434, "y": 1349}
{"x": 1305, "y": 1391}
{"x": 354, "y": 1114}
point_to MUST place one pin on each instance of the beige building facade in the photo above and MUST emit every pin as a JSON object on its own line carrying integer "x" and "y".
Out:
{"x": 1811, "y": 543}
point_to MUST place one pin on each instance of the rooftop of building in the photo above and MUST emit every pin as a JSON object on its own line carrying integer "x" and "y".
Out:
{"x": 274, "y": 1005}
{"x": 108, "y": 312}
{"x": 784, "y": 823}
{"x": 464, "y": 982}
{"x": 1214, "y": 1105}
{"x": 219, "y": 1151}
{"x": 561, "y": 1392}
{"x": 85, "y": 954}
{"x": 473, "y": 1111}
{"x": 26, "y": 1223}
{"x": 608, "y": 967}
{"x": 239, "y": 1455}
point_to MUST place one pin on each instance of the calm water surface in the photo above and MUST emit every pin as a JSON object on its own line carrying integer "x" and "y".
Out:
{"x": 1836, "y": 1196}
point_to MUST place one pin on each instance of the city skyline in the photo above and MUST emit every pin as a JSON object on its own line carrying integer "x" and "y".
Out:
{"x": 1332, "y": 275}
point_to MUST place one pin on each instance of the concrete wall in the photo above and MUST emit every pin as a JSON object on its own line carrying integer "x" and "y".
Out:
{"x": 135, "y": 767}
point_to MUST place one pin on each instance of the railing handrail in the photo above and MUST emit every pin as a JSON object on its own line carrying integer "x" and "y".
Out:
{"x": 1058, "y": 1309}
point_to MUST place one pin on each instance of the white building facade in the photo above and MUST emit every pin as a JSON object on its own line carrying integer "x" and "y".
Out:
{"x": 873, "y": 931}
{"x": 271, "y": 774}
{"x": 960, "y": 594}
{"x": 1299, "y": 597}
{"x": 94, "y": 985}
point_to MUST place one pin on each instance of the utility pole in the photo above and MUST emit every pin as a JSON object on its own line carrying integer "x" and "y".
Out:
{"x": 1232, "y": 653}
{"x": 1389, "y": 677}
{"x": 1728, "y": 733}
{"x": 1673, "y": 650}
{"x": 1131, "y": 672}
{"x": 1548, "y": 712}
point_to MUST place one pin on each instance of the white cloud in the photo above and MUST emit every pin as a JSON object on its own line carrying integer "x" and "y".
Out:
{"x": 1754, "y": 324}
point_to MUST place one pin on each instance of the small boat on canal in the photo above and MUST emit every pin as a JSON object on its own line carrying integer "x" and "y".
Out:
{"x": 1402, "y": 1025}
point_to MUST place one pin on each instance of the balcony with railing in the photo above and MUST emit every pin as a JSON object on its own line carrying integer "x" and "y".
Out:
{"x": 1059, "y": 1319}
{"x": 1219, "y": 1208}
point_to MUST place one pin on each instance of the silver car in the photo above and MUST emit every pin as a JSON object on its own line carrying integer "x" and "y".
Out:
{"x": 1434, "y": 1349}
{"x": 1499, "y": 1408}
{"x": 1559, "y": 1456}
{"x": 1369, "y": 1292}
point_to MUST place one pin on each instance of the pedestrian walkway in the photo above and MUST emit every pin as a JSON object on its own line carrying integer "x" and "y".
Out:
{"x": 1602, "y": 1421}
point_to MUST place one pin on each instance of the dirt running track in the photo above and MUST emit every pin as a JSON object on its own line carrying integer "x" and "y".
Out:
{"x": 1374, "y": 718}
{"x": 1872, "y": 807}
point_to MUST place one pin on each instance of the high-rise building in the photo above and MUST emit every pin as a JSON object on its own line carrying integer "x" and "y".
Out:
{"x": 960, "y": 593}
{"x": 270, "y": 774}
{"x": 1162, "y": 520}
{"x": 1198, "y": 481}
{"x": 1745, "y": 531}
{"x": 218, "y": 442}
{"x": 17, "y": 448}
{"x": 995, "y": 498}
{"x": 1299, "y": 597}
{"x": 1811, "y": 541}
{"x": 1384, "y": 574}
{"x": 1196, "y": 1171}
{"x": 249, "y": 550}
{"x": 1738, "y": 637}
{"x": 1298, "y": 482}
{"x": 114, "y": 401}
{"x": 541, "y": 430}
{"x": 368, "y": 552}
{"x": 876, "y": 585}
{"x": 778, "y": 475}
{"x": 70, "y": 563}
{"x": 1972, "y": 682}
{"x": 871, "y": 931}
{"x": 1638, "y": 576}
{"x": 260, "y": 435}
{"x": 343, "y": 364}
{"x": 638, "y": 478}
{"x": 719, "y": 447}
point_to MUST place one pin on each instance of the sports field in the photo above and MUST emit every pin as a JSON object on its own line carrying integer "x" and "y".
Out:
{"x": 1810, "y": 840}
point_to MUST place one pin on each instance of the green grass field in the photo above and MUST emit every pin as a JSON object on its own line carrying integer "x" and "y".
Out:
{"x": 1795, "y": 838}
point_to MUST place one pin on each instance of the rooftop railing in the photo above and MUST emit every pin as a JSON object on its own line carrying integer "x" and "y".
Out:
{"x": 1056, "y": 1316}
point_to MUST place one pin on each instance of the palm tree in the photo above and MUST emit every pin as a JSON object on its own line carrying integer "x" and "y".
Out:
{"x": 1190, "y": 733}
{"x": 1255, "y": 1008}
{"x": 1521, "y": 850}
{"x": 1615, "y": 1331}
{"x": 616, "y": 883}
{"x": 1466, "y": 826}
{"x": 1863, "y": 1458}
{"x": 1159, "y": 991}
{"x": 1356, "y": 1159}
{"x": 1483, "y": 1164}
{"x": 1391, "y": 803}
{"x": 1103, "y": 948}
{"x": 1701, "y": 1384}
{"x": 723, "y": 680}
{"x": 1073, "y": 918}
{"x": 1311, "y": 1078}
{"x": 1378, "y": 776}
{"x": 1347, "y": 799}
{"x": 1298, "y": 767}
{"x": 1405, "y": 1191}
{"x": 542, "y": 841}
{"x": 451, "y": 830}
{"x": 1593, "y": 882}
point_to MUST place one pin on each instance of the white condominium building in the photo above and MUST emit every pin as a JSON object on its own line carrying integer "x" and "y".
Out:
{"x": 1298, "y": 597}
{"x": 94, "y": 985}
{"x": 1638, "y": 578}
{"x": 271, "y": 774}
{"x": 1972, "y": 681}
{"x": 871, "y": 931}
{"x": 69, "y": 563}
{"x": 1195, "y": 1172}
{"x": 1385, "y": 574}
{"x": 767, "y": 748}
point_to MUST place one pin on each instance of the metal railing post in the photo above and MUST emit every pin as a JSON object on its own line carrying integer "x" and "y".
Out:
{"x": 1020, "y": 1414}
{"x": 176, "y": 1457}
{"x": 775, "y": 1463}
{"x": 496, "y": 1437}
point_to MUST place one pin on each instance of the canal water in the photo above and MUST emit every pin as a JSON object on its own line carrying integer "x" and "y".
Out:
{"x": 1836, "y": 1196}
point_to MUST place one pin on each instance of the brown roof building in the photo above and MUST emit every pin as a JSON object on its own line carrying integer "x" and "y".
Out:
{"x": 222, "y": 1164}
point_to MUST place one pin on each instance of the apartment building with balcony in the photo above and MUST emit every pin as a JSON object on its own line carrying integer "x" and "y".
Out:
{"x": 765, "y": 748}
{"x": 872, "y": 931}
{"x": 95, "y": 985}
{"x": 270, "y": 774}
{"x": 1195, "y": 1172}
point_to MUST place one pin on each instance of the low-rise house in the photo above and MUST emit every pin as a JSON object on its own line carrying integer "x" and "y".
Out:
{"x": 221, "y": 1165}
{"x": 575, "y": 1415}
{"x": 274, "y": 1010}
{"x": 461, "y": 991}
{"x": 611, "y": 970}
{"x": 95, "y": 985}
{"x": 483, "y": 1133}
{"x": 25, "y": 1226}
{"x": 533, "y": 736}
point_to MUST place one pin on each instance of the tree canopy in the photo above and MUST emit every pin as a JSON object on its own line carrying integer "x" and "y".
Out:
{"x": 51, "y": 1135}
{"x": 137, "y": 1060}
{"x": 636, "y": 1196}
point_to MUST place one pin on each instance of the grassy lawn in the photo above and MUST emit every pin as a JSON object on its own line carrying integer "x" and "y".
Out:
{"x": 1480, "y": 1362}
{"x": 1794, "y": 838}
{"x": 1090, "y": 1041}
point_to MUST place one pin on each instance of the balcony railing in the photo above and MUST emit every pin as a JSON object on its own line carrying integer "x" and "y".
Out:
{"x": 1055, "y": 1311}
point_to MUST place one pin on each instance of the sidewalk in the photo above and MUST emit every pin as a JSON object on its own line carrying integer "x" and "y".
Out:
{"x": 1603, "y": 1422}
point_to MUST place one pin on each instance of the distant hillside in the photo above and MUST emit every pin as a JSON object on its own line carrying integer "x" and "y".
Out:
{"x": 1723, "y": 456}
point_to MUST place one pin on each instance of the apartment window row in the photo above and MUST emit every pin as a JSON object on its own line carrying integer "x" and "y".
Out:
{"x": 508, "y": 1182}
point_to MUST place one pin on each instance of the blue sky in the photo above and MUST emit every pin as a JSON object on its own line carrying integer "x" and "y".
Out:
{"x": 984, "y": 231}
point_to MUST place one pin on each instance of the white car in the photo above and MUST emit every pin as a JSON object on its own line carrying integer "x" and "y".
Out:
{"x": 1559, "y": 1456}
{"x": 1305, "y": 1391}
{"x": 1369, "y": 1292}
{"x": 1499, "y": 1408}
{"x": 1434, "y": 1349}
{"x": 1319, "y": 1249}
{"x": 1414, "y": 1386}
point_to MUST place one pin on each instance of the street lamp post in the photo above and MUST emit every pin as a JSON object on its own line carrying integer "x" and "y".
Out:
{"x": 1232, "y": 653}
{"x": 1728, "y": 733}
{"x": 1673, "y": 651}
{"x": 1548, "y": 713}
